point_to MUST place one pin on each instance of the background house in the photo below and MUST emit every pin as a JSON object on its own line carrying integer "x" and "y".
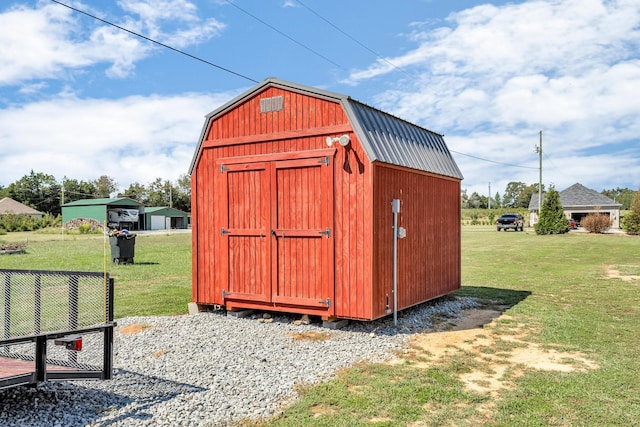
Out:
{"x": 10, "y": 206}
{"x": 292, "y": 190}
{"x": 579, "y": 201}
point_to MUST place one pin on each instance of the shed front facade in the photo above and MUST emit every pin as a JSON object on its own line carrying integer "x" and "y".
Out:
{"x": 292, "y": 191}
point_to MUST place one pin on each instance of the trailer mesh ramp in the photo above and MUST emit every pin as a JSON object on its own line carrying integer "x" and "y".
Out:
{"x": 55, "y": 325}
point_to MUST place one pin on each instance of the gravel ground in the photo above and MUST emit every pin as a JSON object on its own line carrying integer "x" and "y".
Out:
{"x": 211, "y": 369}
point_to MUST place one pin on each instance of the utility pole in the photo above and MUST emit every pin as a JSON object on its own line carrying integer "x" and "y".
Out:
{"x": 538, "y": 150}
{"x": 489, "y": 195}
{"x": 62, "y": 203}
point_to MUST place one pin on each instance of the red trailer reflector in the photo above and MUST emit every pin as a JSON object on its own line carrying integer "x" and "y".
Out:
{"x": 72, "y": 342}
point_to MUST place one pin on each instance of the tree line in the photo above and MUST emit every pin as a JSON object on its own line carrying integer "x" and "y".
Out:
{"x": 518, "y": 195}
{"x": 46, "y": 194}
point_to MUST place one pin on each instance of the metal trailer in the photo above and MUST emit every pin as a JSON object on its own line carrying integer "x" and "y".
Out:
{"x": 54, "y": 326}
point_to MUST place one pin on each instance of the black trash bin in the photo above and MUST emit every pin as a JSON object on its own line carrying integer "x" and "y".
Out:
{"x": 122, "y": 248}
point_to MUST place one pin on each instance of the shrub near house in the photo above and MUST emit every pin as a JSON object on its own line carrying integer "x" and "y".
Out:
{"x": 552, "y": 219}
{"x": 20, "y": 222}
{"x": 631, "y": 222}
{"x": 596, "y": 223}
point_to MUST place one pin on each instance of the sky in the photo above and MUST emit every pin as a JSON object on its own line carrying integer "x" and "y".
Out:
{"x": 80, "y": 98}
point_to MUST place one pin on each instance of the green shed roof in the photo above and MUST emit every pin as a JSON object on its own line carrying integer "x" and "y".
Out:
{"x": 164, "y": 210}
{"x": 121, "y": 201}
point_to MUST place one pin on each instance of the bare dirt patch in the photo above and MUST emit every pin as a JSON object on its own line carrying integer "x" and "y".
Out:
{"x": 134, "y": 328}
{"x": 613, "y": 272}
{"x": 310, "y": 336}
{"x": 498, "y": 354}
{"x": 322, "y": 410}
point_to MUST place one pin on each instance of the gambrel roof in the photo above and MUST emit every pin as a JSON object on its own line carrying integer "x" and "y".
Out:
{"x": 384, "y": 137}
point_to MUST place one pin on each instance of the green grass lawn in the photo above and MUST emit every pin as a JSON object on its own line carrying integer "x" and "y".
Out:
{"x": 559, "y": 289}
{"x": 157, "y": 283}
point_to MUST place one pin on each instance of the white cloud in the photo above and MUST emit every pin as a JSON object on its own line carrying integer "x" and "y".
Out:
{"x": 47, "y": 42}
{"x": 159, "y": 20}
{"x": 35, "y": 43}
{"x": 489, "y": 80}
{"x": 134, "y": 139}
{"x": 494, "y": 76}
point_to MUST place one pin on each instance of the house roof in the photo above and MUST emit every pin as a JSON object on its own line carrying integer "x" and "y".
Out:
{"x": 10, "y": 206}
{"x": 579, "y": 196}
{"x": 121, "y": 201}
{"x": 384, "y": 137}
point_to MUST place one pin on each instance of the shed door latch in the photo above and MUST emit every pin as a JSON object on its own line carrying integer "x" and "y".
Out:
{"x": 326, "y": 302}
{"x": 326, "y": 160}
{"x": 326, "y": 232}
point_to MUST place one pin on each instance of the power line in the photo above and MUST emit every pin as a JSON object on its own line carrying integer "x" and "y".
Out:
{"x": 379, "y": 56}
{"x": 156, "y": 42}
{"x": 286, "y": 35}
{"x": 279, "y": 32}
{"x": 493, "y": 161}
{"x": 349, "y": 36}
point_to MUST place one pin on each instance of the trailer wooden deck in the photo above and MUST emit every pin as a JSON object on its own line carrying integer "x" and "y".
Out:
{"x": 12, "y": 367}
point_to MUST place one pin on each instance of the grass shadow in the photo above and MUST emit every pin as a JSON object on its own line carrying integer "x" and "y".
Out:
{"x": 421, "y": 318}
{"x": 497, "y": 297}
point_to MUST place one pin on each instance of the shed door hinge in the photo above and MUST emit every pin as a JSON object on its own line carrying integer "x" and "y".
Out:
{"x": 326, "y": 302}
{"x": 223, "y": 231}
{"x": 225, "y": 294}
{"x": 326, "y": 160}
{"x": 326, "y": 232}
{"x": 223, "y": 169}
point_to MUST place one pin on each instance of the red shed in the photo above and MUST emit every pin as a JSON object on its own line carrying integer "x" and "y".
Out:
{"x": 292, "y": 190}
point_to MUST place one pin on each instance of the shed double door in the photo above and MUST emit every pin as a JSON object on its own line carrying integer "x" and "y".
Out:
{"x": 277, "y": 230}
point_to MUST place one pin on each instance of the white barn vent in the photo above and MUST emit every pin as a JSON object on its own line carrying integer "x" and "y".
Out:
{"x": 268, "y": 105}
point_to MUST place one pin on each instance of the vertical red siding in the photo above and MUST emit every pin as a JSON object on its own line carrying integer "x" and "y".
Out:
{"x": 361, "y": 240}
{"x": 429, "y": 257}
{"x": 353, "y": 256}
{"x": 298, "y": 191}
{"x": 301, "y": 112}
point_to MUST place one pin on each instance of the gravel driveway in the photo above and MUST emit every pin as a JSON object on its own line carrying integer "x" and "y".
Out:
{"x": 209, "y": 369}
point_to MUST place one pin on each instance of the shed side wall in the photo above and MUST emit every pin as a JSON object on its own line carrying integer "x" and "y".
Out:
{"x": 429, "y": 257}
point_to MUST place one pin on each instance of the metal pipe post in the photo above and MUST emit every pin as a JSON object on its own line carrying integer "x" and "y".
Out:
{"x": 395, "y": 205}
